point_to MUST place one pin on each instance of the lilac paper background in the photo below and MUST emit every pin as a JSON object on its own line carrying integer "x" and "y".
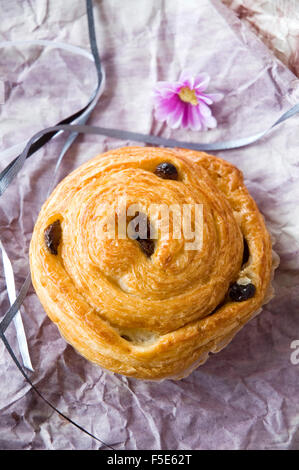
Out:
{"x": 246, "y": 397}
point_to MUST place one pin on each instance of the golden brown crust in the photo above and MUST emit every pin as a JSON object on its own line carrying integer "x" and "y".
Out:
{"x": 172, "y": 306}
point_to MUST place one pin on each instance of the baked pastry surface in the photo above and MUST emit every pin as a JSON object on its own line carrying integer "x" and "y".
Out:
{"x": 150, "y": 311}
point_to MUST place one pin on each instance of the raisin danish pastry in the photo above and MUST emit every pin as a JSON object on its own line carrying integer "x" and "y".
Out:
{"x": 130, "y": 295}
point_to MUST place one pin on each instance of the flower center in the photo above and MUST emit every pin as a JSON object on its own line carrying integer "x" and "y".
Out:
{"x": 188, "y": 96}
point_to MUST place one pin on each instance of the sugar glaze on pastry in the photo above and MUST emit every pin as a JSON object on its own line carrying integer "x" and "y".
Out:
{"x": 150, "y": 311}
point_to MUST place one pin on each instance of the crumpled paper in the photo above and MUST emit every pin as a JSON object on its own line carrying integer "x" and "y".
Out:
{"x": 276, "y": 23}
{"x": 246, "y": 396}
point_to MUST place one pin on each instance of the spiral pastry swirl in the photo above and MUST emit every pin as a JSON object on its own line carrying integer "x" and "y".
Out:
{"x": 151, "y": 307}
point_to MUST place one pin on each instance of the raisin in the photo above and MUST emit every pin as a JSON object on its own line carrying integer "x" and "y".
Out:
{"x": 167, "y": 171}
{"x": 146, "y": 244}
{"x": 52, "y": 236}
{"x": 126, "y": 337}
{"x": 245, "y": 252}
{"x": 241, "y": 292}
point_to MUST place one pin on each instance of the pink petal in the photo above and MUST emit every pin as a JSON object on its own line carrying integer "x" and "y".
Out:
{"x": 187, "y": 78}
{"x": 215, "y": 97}
{"x": 189, "y": 83}
{"x": 164, "y": 107}
{"x": 201, "y": 81}
{"x": 211, "y": 122}
{"x": 167, "y": 104}
{"x": 163, "y": 85}
{"x": 203, "y": 97}
{"x": 175, "y": 118}
{"x": 185, "y": 121}
{"x": 186, "y": 75}
{"x": 204, "y": 110}
{"x": 195, "y": 121}
{"x": 166, "y": 89}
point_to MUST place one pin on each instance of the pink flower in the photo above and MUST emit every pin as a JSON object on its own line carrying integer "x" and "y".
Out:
{"x": 184, "y": 103}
